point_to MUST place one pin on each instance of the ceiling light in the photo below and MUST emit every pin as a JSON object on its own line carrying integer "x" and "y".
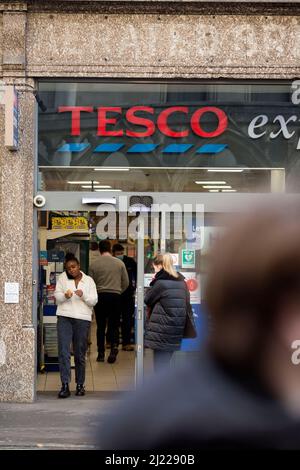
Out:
{"x": 210, "y": 182}
{"x": 110, "y": 190}
{"x": 111, "y": 169}
{"x": 83, "y": 182}
{"x": 210, "y": 186}
{"x": 213, "y": 190}
{"x": 229, "y": 191}
{"x": 96, "y": 186}
{"x": 225, "y": 170}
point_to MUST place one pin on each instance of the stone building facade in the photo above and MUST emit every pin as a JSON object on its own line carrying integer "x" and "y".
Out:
{"x": 110, "y": 39}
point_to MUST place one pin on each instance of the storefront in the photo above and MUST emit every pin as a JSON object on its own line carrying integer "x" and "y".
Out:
{"x": 132, "y": 117}
{"x": 152, "y": 153}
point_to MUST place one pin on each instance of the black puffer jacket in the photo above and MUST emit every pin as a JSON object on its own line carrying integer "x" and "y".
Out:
{"x": 167, "y": 297}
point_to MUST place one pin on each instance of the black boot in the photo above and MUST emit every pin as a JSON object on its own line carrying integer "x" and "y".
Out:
{"x": 100, "y": 357}
{"x": 112, "y": 356}
{"x": 64, "y": 391}
{"x": 80, "y": 390}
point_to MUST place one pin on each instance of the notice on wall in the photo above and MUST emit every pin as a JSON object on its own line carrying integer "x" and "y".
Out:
{"x": 11, "y": 126}
{"x": 2, "y": 90}
{"x": 147, "y": 279}
{"x": 11, "y": 292}
{"x": 193, "y": 284}
{"x": 43, "y": 258}
{"x": 56, "y": 256}
{"x": 175, "y": 258}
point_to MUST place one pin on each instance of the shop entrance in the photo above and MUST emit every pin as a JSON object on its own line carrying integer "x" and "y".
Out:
{"x": 75, "y": 231}
{"x": 205, "y": 151}
{"x": 183, "y": 224}
{"x": 145, "y": 224}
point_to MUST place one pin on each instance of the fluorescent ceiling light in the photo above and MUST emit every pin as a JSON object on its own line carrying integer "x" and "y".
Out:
{"x": 96, "y": 186}
{"x": 110, "y": 190}
{"x": 216, "y": 187}
{"x": 83, "y": 182}
{"x": 229, "y": 191}
{"x": 111, "y": 169}
{"x": 225, "y": 170}
{"x": 210, "y": 182}
{"x": 213, "y": 190}
{"x": 98, "y": 200}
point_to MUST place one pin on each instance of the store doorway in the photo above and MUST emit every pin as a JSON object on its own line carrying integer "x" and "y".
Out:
{"x": 167, "y": 222}
{"x": 60, "y": 232}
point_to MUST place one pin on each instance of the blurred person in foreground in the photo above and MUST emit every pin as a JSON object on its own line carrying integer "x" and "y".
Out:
{"x": 243, "y": 392}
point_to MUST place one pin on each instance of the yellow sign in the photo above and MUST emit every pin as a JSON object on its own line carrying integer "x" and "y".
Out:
{"x": 69, "y": 223}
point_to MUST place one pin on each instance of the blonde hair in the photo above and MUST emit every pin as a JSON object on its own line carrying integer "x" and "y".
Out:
{"x": 166, "y": 261}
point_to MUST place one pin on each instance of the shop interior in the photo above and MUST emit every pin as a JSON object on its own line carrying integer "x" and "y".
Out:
{"x": 212, "y": 180}
{"x": 60, "y": 232}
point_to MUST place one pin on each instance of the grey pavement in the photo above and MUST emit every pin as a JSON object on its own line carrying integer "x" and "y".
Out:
{"x": 52, "y": 423}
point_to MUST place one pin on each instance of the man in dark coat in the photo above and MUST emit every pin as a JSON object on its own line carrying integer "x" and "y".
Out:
{"x": 243, "y": 391}
{"x": 128, "y": 297}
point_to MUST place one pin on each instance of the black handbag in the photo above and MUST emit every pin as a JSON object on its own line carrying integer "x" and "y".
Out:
{"x": 190, "y": 326}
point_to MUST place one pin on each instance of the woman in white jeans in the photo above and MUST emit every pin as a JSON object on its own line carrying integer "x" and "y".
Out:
{"x": 75, "y": 295}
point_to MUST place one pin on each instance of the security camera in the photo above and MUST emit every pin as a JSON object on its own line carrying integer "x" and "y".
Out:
{"x": 39, "y": 201}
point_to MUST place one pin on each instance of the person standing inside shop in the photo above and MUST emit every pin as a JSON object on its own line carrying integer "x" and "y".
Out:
{"x": 93, "y": 252}
{"x": 128, "y": 297}
{"x": 75, "y": 296}
{"x": 111, "y": 278}
{"x": 167, "y": 301}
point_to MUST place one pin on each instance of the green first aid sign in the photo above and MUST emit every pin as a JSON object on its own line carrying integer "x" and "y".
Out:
{"x": 188, "y": 258}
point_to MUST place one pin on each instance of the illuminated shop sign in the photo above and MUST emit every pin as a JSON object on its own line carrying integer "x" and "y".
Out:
{"x": 107, "y": 121}
{"x": 188, "y": 127}
{"x": 132, "y": 117}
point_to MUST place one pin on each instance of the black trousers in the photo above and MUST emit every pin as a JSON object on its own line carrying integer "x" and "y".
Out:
{"x": 127, "y": 319}
{"x": 68, "y": 330}
{"x": 127, "y": 315}
{"x": 107, "y": 313}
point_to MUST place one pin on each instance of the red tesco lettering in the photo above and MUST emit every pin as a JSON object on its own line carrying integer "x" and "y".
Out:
{"x": 108, "y": 117}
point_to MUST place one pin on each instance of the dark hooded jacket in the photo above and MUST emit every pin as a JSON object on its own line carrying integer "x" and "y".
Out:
{"x": 167, "y": 298}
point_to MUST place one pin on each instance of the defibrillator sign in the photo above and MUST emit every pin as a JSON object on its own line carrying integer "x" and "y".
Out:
{"x": 188, "y": 258}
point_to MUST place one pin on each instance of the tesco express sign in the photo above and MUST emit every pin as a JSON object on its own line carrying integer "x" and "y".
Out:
{"x": 108, "y": 116}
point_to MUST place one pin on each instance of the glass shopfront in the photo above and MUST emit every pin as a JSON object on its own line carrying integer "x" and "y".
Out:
{"x": 162, "y": 131}
{"x": 173, "y": 145}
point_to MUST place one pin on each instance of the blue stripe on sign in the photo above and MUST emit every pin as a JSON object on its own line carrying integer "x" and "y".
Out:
{"x": 212, "y": 148}
{"x": 177, "y": 148}
{"x": 73, "y": 147}
{"x": 108, "y": 147}
{"x": 142, "y": 148}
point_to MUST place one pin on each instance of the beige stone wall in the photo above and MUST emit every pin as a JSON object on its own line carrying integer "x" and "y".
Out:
{"x": 184, "y": 46}
{"x": 39, "y": 42}
{"x": 17, "y": 334}
{"x": 1, "y": 43}
{"x": 17, "y": 362}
